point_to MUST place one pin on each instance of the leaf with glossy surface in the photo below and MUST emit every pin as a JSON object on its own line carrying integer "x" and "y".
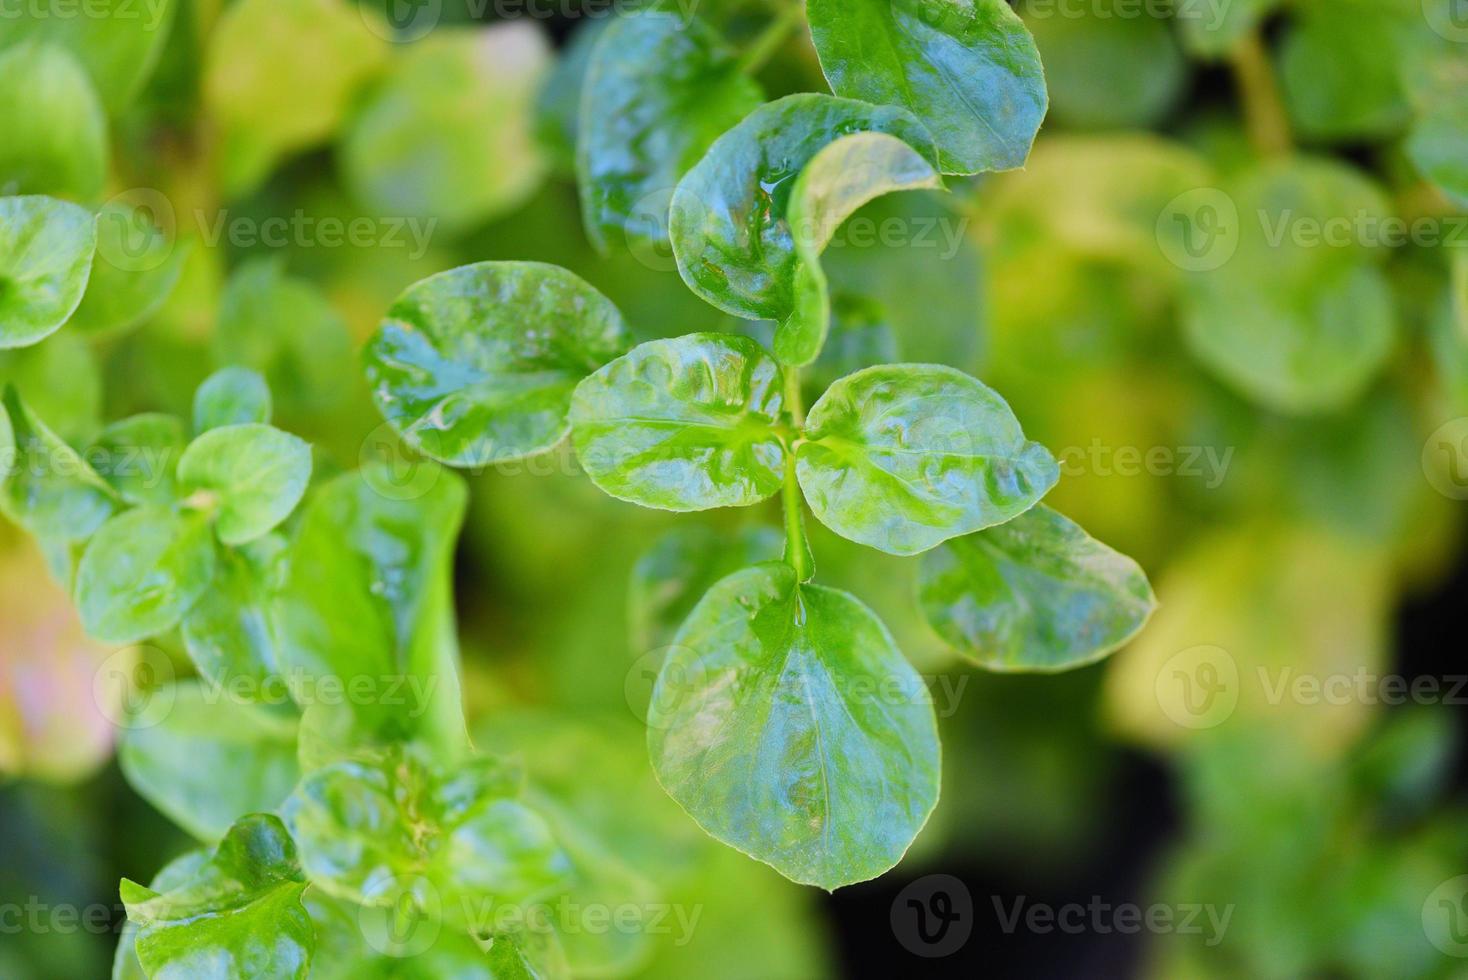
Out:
{"x": 210, "y": 758}
{"x": 447, "y": 135}
{"x": 788, "y": 725}
{"x": 684, "y": 424}
{"x": 477, "y": 365}
{"x": 904, "y": 456}
{"x": 367, "y": 601}
{"x": 49, "y": 490}
{"x": 969, "y": 71}
{"x": 671, "y": 576}
{"x": 231, "y": 396}
{"x": 46, "y": 249}
{"x": 388, "y": 827}
{"x": 1034, "y": 594}
{"x": 728, "y": 224}
{"x": 659, "y": 89}
{"x": 238, "y": 915}
{"x": 125, "y": 965}
{"x": 836, "y": 182}
{"x": 137, "y": 457}
{"x": 228, "y": 633}
{"x": 55, "y": 130}
{"x": 136, "y": 268}
{"x": 142, "y": 571}
{"x": 256, "y": 473}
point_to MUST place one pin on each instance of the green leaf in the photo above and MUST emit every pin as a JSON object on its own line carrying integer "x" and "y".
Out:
{"x": 279, "y": 77}
{"x": 116, "y": 41}
{"x": 1296, "y": 320}
{"x": 125, "y": 965}
{"x": 969, "y": 71}
{"x": 141, "y": 572}
{"x": 671, "y": 576}
{"x": 387, "y": 828}
{"x": 558, "y": 104}
{"x": 55, "y": 130}
{"x": 228, "y": 632}
{"x": 137, "y": 456}
{"x": 231, "y": 396}
{"x": 684, "y": 424}
{"x": 136, "y": 268}
{"x": 239, "y": 915}
{"x": 1438, "y": 147}
{"x": 254, "y": 473}
{"x": 1106, "y": 65}
{"x": 904, "y": 456}
{"x": 49, "y": 489}
{"x": 1034, "y": 594}
{"x": 1334, "y": 78}
{"x": 837, "y": 181}
{"x": 728, "y": 224}
{"x": 60, "y": 381}
{"x": 447, "y": 134}
{"x": 367, "y": 606}
{"x": 659, "y": 89}
{"x": 46, "y": 249}
{"x": 210, "y": 758}
{"x": 477, "y": 365}
{"x": 788, "y": 725}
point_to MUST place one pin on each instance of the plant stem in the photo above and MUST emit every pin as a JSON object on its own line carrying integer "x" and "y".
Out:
{"x": 795, "y": 546}
{"x": 771, "y": 39}
{"x": 1264, "y": 113}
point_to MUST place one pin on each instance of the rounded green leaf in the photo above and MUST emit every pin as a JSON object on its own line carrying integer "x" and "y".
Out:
{"x": 383, "y": 828}
{"x": 141, "y": 572}
{"x": 210, "y": 759}
{"x": 137, "y": 457}
{"x": 231, "y": 396}
{"x": 659, "y": 89}
{"x": 238, "y": 915}
{"x": 228, "y": 632}
{"x": 1337, "y": 73}
{"x": 46, "y": 249}
{"x": 969, "y": 71}
{"x": 125, "y": 965}
{"x": 447, "y": 134}
{"x": 904, "y": 456}
{"x": 137, "y": 267}
{"x": 837, "y": 181}
{"x": 786, "y": 722}
{"x": 1033, "y": 594}
{"x": 48, "y": 488}
{"x": 257, "y": 474}
{"x": 116, "y": 41}
{"x": 728, "y": 223}
{"x": 477, "y": 365}
{"x": 683, "y": 424}
{"x": 55, "y": 130}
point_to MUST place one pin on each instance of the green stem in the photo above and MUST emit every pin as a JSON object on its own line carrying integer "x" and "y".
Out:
{"x": 1265, "y": 118}
{"x": 771, "y": 39}
{"x": 790, "y": 496}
